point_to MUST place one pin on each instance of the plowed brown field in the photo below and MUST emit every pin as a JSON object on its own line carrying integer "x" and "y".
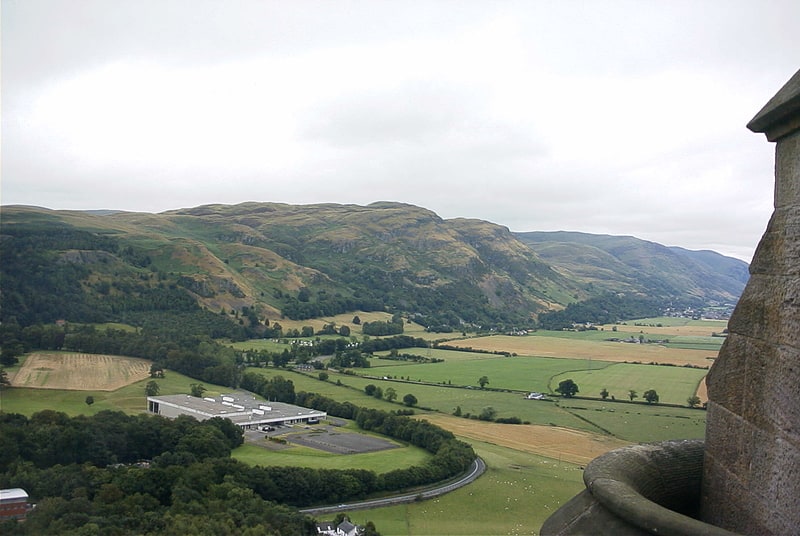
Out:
{"x": 82, "y": 372}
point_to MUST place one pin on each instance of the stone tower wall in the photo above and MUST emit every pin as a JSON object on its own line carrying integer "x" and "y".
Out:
{"x": 751, "y": 477}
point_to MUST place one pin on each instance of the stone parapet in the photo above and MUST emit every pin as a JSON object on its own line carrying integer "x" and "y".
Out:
{"x": 638, "y": 490}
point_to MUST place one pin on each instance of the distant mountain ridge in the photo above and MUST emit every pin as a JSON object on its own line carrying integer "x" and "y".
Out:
{"x": 626, "y": 263}
{"x": 269, "y": 260}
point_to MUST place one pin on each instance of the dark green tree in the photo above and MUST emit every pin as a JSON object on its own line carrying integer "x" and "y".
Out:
{"x": 604, "y": 393}
{"x": 632, "y": 394}
{"x": 488, "y": 414}
{"x": 410, "y": 400}
{"x": 567, "y": 388}
{"x": 197, "y": 389}
{"x": 651, "y": 396}
{"x": 89, "y": 400}
{"x": 152, "y": 388}
{"x": 156, "y": 371}
{"x": 390, "y": 394}
{"x": 323, "y": 376}
{"x": 482, "y": 381}
{"x": 693, "y": 401}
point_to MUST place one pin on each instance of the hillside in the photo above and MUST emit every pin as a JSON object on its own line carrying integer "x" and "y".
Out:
{"x": 625, "y": 263}
{"x": 259, "y": 261}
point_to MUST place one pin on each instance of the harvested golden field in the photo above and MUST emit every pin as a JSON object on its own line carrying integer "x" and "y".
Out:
{"x": 551, "y": 441}
{"x": 691, "y": 330}
{"x": 82, "y": 372}
{"x": 586, "y": 349}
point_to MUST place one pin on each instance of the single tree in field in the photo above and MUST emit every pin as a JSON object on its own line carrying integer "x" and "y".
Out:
{"x": 482, "y": 381}
{"x": 632, "y": 394}
{"x": 344, "y": 331}
{"x": 693, "y": 401}
{"x": 409, "y": 400}
{"x": 370, "y": 389}
{"x": 604, "y": 393}
{"x": 152, "y": 388}
{"x": 156, "y": 371}
{"x": 356, "y": 320}
{"x": 567, "y": 388}
{"x": 651, "y": 396}
{"x": 457, "y": 412}
{"x": 488, "y": 414}
{"x": 89, "y": 400}
{"x": 390, "y": 394}
{"x": 323, "y": 376}
{"x": 378, "y": 393}
{"x": 197, "y": 389}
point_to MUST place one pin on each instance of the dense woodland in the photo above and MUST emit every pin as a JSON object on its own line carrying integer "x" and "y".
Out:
{"x": 87, "y": 477}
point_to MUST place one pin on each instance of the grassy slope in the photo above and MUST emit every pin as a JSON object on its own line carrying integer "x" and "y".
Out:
{"x": 515, "y": 495}
{"x": 130, "y": 399}
{"x": 380, "y": 462}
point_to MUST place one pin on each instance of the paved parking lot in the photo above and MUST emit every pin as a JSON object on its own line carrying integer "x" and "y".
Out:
{"x": 322, "y": 437}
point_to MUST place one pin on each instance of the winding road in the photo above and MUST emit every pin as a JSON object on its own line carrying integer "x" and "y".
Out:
{"x": 476, "y": 469}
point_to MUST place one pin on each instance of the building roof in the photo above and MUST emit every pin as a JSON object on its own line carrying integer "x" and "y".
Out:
{"x": 241, "y": 408}
{"x": 781, "y": 115}
{"x": 345, "y": 526}
{"x": 13, "y": 494}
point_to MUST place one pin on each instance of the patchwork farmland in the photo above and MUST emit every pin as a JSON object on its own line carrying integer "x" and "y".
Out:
{"x": 533, "y": 468}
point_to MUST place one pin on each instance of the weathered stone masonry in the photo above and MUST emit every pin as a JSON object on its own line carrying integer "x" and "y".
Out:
{"x": 751, "y": 476}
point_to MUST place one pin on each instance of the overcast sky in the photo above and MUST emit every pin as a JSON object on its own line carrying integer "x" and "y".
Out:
{"x": 612, "y": 117}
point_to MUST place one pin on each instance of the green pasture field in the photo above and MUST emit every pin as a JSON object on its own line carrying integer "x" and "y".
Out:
{"x": 299, "y": 456}
{"x": 129, "y": 399}
{"x": 639, "y": 422}
{"x": 694, "y": 342}
{"x": 517, "y": 373}
{"x": 269, "y": 345}
{"x": 435, "y": 397}
{"x": 671, "y": 322}
{"x": 508, "y": 404}
{"x": 341, "y": 393}
{"x": 673, "y": 384}
{"x": 516, "y": 494}
{"x": 432, "y": 353}
{"x": 677, "y": 341}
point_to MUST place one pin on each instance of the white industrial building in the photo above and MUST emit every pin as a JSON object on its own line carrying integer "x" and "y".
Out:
{"x": 243, "y": 409}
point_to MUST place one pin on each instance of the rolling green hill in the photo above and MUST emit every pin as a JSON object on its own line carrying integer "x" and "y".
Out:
{"x": 270, "y": 260}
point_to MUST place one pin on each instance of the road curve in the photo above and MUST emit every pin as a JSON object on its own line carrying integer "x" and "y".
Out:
{"x": 475, "y": 470}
